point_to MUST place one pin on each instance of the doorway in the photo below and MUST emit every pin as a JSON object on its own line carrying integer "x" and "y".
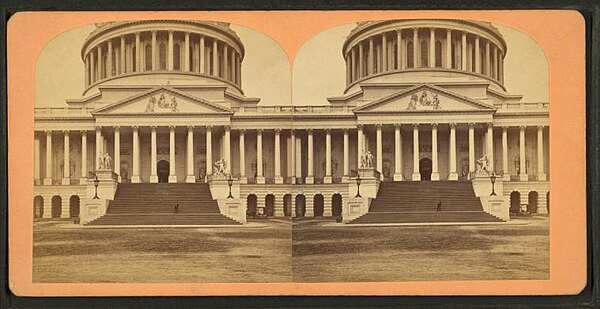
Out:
{"x": 162, "y": 171}
{"x": 425, "y": 168}
{"x": 318, "y": 205}
{"x": 270, "y": 205}
{"x": 300, "y": 205}
{"x": 336, "y": 205}
{"x": 251, "y": 206}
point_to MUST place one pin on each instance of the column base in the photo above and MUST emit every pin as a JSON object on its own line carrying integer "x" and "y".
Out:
{"x": 278, "y": 180}
{"x": 243, "y": 180}
{"x": 327, "y": 179}
{"x": 260, "y": 180}
{"x": 47, "y": 181}
{"x": 309, "y": 180}
{"x": 83, "y": 181}
{"x": 293, "y": 180}
{"x": 190, "y": 178}
{"x": 542, "y": 210}
{"x": 153, "y": 179}
{"x": 416, "y": 176}
{"x": 65, "y": 181}
{"x": 506, "y": 177}
{"x": 345, "y": 179}
{"x": 541, "y": 177}
{"x": 398, "y": 177}
{"x": 172, "y": 178}
{"x": 137, "y": 179}
{"x": 435, "y": 176}
{"x": 523, "y": 177}
{"x": 453, "y": 176}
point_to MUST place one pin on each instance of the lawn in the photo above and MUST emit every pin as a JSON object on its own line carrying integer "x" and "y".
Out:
{"x": 62, "y": 253}
{"x": 487, "y": 252}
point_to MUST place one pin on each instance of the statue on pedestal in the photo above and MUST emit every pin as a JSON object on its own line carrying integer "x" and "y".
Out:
{"x": 369, "y": 159}
{"x": 219, "y": 168}
{"x": 482, "y": 167}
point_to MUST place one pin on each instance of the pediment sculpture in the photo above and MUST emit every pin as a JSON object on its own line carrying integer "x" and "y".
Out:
{"x": 425, "y": 99}
{"x": 161, "y": 104}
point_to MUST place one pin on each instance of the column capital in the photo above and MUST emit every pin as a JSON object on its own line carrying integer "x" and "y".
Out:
{"x": 415, "y": 28}
{"x": 153, "y": 128}
{"x": 187, "y": 33}
{"x": 135, "y": 128}
{"x": 153, "y": 32}
{"x": 504, "y": 128}
{"x": 490, "y": 125}
{"x": 242, "y": 131}
{"x": 453, "y": 125}
{"x": 522, "y": 128}
{"x": 345, "y": 130}
{"x": 378, "y": 126}
{"x": 328, "y": 130}
{"x": 65, "y": 131}
{"x": 360, "y": 126}
{"x": 434, "y": 124}
{"x": 209, "y": 128}
{"x": 83, "y": 132}
{"x": 116, "y": 128}
{"x": 227, "y": 127}
{"x": 471, "y": 125}
{"x": 98, "y": 128}
{"x": 310, "y": 131}
{"x": 432, "y": 29}
{"x": 277, "y": 131}
{"x": 540, "y": 127}
{"x": 397, "y": 125}
{"x": 399, "y": 31}
{"x": 190, "y": 128}
{"x": 48, "y": 132}
{"x": 259, "y": 131}
{"x": 415, "y": 125}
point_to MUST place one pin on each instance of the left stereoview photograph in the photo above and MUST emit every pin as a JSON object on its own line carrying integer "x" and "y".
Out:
{"x": 137, "y": 167}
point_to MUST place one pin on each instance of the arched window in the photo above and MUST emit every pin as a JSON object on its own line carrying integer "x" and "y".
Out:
{"x": 148, "y": 57}
{"x": 176, "y": 57}
{"x": 424, "y": 54}
{"x": 438, "y": 54}
{"x": 162, "y": 56}
{"x": 410, "y": 61}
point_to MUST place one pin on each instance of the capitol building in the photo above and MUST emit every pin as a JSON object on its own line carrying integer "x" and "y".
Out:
{"x": 424, "y": 131}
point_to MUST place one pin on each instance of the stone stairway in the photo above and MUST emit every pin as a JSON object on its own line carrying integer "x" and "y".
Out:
{"x": 416, "y": 202}
{"x": 152, "y": 204}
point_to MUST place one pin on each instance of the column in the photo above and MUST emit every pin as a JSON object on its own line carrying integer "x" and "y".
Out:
{"x": 416, "y": 176}
{"x": 490, "y": 147}
{"x": 243, "y": 156}
{"x": 227, "y": 149}
{"x": 541, "y": 175}
{"x": 495, "y": 69}
{"x": 348, "y": 71}
{"x": 384, "y": 50}
{"x": 278, "y": 178}
{"x": 138, "y": 62}
{"x": 360, "y": 146}
{"x": 186, "y": 52}
{"x": 471, "y": 148}
{"x": 172, "y": 169}
{"x": 122, "y": 55}
{"x": 153, "y": 175}
{"x": 435, "y": 175}
{"x": 379, "y": 150}
{"x": 117, "y": 155}
{"x": 505, "y": 173}
{"x": 292, "y": 172}
{"x": 415, "y": 50}
{"x": 233, "y": 76}
{"x": 371, "y": 58}
{"x": 66, "y": 180}
{"x": 397, "y": 152}
{"x": 310, "y": 171}
{"x": 452, "y": 175}
{"x": 109, "y": 57}
{"x": 190, "y": 175}
{"x": 135, "y": 177}
{"x": 99, "y": 151}
{"x": 84, "y": 166}
{"x": 522, "y": 159}
{"x": 477, "y": 56}
{"x": 353, "y": 75}
{"x": 215, "y": 59}
{"x": 486, "y": 67}
{"x": 49, "y": 152}
{"x": 399, "y": 65}
{"x": 208, "y": 151}
{"x": 361, "y": 61}
{"x": 346, "y": 155}
{"x": 328, "y": 176}
{"x": 154, "y": 52}
{"x": 432, "y": 47}
{"x": 93, "y": 76}
{"x": 225, "y": 63}
{"x": 448, "y": 49}
{"x": 170, "y": 53}
{"x": 87, "y": 70}
{"x": 202, "y": 65}
{"x": 100, "y": 63}
{"x": 260, "y": 179}
{"x": 36, "y": 159}
{"x": 463, "y": 50}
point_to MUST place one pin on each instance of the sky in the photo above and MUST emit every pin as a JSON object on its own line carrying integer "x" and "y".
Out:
{"x": 317, "y": 72}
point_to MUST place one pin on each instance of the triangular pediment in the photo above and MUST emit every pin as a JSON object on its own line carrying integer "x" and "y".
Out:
{"x": 162, "y": 100}
{"x": 423, "y": 98}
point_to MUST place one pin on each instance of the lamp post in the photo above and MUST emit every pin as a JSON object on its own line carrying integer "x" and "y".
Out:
{"x": 493, "y": 180}
{"x": 358, "y": 180}
{"x": 96, "y": 183}
{"x": 229, "y": 183}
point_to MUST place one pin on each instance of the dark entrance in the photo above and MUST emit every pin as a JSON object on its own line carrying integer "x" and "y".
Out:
{"x": 336, "y": 205}
{"x": 300, "y": 205}
{"x": 251, "y": 203}
{"x": 287, "y": 205}
{"x": 548, "y": 201}
{"x": 270, "y": 205}
{"x": 532, "y": 202}
{"x": 319, "y": 205}
{"x": 74, "y": 206}
{"x": 38, "y": 207}
{"x": 425, "y": 168}
{"x": 515, "y": 201}
{"x": 162, "y": 171}
{"x": 56, "y": 206}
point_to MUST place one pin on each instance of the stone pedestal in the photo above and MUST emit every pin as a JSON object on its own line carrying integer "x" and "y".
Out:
{"x": 190, "y": 179}
{"x": 260, "y": 180}
{"x": 309, "y": 180}
{"x": 279, "y": 180}
{"x": 435, "y": 176}
{"x": 398, "y": 177}
{"x": 498, "y": 204}
{"x": 327, "y": 179}
{"x": 453, "y": 176}
{"x": 97, "y": 199}
{"x": 172, "y": 178}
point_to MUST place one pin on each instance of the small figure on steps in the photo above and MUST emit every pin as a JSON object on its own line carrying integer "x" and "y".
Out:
{"x": 439, "y": 206}
{"x": 176, "y": 208}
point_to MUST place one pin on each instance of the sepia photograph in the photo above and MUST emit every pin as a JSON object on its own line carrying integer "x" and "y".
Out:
{"x": 193, "y": 151}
